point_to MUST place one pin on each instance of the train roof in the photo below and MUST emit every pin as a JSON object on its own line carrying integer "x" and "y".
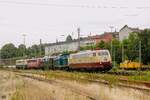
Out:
{"x": 88, "y": 51}
{"x": 46, "y": 57}
{"x": 22, "y": 60}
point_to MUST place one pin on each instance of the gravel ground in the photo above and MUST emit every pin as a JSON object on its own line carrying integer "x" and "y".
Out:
{"x": 13, "y": 87}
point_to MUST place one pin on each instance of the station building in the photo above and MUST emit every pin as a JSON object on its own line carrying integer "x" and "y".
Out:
{"x": 125, "y": 32}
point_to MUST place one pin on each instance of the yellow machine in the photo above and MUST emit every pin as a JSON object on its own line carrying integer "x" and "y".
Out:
{"x": 127, "y": 64}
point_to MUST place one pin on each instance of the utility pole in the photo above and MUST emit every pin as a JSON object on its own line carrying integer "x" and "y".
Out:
{"x": 0, "y": 57}
{"x": 113, "y": 54}
{"x": 40, "y": 47}
{"x": 111, "y": 49}
{"x": 57, "y": 40}
{"x": 24, "y": 42}
{"x": 122, "y": 52}
{"x": 91, "y": 39}
{"x": 78, "y": 39}
{"x": 140, "y": 58}
{"x": 24, "y": 39}
{"x": 114, "y": 59}
{"x": 111, "y": 28}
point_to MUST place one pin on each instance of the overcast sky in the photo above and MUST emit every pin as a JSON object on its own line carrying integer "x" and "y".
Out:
{"x": 49, "y": 19}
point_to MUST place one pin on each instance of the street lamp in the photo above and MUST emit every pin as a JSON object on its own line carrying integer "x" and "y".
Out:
{"x": 111, "y": 27}
{"x": 78, "y": 39}
{"x": 24, "y": 38}
{"x": 24, "y": 42}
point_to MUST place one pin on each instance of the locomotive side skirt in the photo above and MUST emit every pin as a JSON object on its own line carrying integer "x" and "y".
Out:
{"x": 91, "y": 65}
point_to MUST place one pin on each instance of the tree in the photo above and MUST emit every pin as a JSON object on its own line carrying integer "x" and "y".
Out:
{"x": 144, "y": 37}
{"x": 116, "y": 51}
{"x": 21, "y": 50}
{"x": 101, "y": 45}
{"x": 89, "y": 47}
{"x": 8, "y": 51}
{"x": 131, "y": 46}
{"x": 35, "y": 51}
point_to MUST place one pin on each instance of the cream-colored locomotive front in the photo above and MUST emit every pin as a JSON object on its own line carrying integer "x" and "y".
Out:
{"x": 91, "y": 59}
{"x": 21, "y": 64}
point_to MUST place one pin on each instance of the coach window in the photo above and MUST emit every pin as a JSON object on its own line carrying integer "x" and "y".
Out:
{"x": 94, "y": 54}
{"x": 99, "y": 54}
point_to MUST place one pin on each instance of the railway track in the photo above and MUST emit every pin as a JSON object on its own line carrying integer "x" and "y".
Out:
{"x": 122, "y": 82}
{"x": 125, "y": 73}
{"x": 63, "y": 85}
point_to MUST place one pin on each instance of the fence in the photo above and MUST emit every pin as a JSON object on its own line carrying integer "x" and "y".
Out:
{"x": 7, "y": 62}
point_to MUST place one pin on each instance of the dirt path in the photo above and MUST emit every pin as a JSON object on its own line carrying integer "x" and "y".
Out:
{"x": 8, "y": 84}
{"x": 17, "y": 87}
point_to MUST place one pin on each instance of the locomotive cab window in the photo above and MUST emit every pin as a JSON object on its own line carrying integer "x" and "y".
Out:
{"x": 105, "y": 53}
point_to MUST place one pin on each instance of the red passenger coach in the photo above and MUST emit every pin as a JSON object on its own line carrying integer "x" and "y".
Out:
{"x": 34, "y": 64}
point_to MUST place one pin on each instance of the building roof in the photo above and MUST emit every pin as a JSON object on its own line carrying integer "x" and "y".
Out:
{"x": 133, "y": 29}
{"x": 69, "y": 38}
{"x": 66, "y": 42}
{"x": 106, "y": 36}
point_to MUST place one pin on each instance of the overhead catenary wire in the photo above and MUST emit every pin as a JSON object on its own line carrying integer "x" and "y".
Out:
{"x": 71, "y": 5}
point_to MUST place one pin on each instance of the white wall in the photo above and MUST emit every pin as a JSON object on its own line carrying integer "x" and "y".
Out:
{"x": 72, "y": 46}
{"x": 124, "y": 33}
